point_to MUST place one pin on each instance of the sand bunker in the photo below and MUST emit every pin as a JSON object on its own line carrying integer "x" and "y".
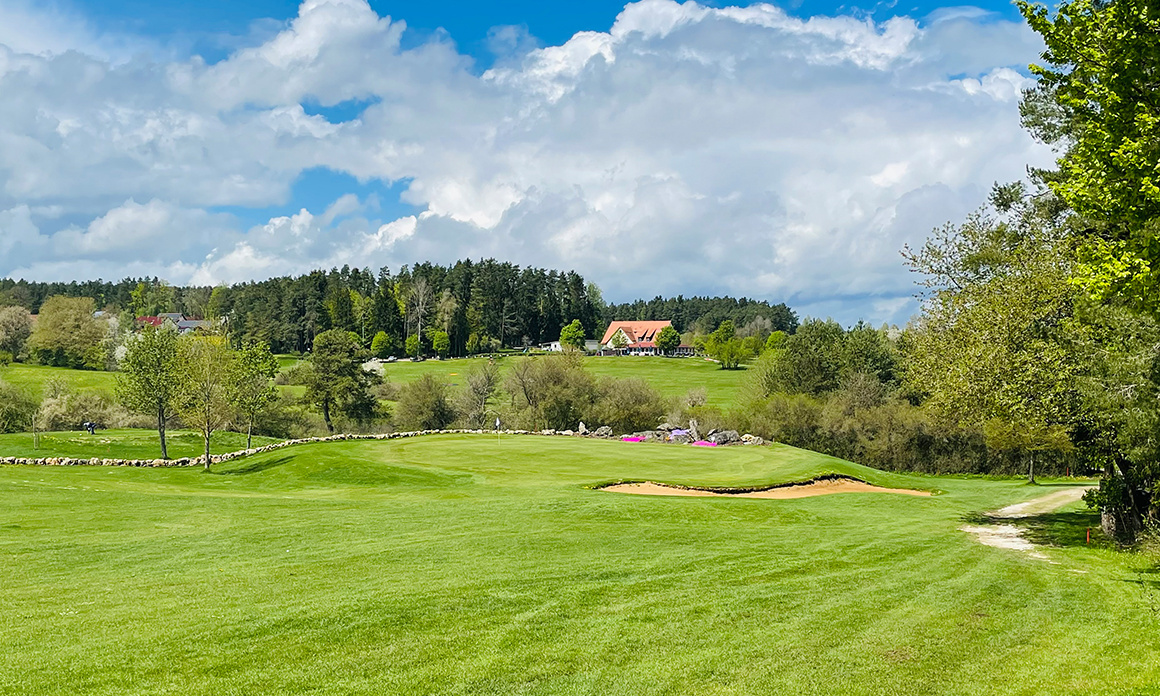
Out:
{"x": 799, "y": 490}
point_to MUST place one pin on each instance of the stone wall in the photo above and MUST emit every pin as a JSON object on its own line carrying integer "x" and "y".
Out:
{"x": 220, "y": 458}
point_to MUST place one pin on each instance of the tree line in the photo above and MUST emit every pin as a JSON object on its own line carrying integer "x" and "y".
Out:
{"x": 465, "y": 308}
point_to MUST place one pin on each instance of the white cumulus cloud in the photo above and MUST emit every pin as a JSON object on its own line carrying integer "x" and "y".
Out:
{"x": 688, "y": 149}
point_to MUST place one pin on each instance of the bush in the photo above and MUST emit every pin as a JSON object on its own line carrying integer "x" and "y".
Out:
{"x": 68, "y": 411}
{"x": 423, "y": 405}
{"x": 16, "y": 409}
{"x": 382, "y": 346}
{"x": 628, "y": 405}
{"x": 551, "y": 392}
{"x": 286, "y": 417}
{"x": 386, "y": 391}
{"x": 478, "y": 390}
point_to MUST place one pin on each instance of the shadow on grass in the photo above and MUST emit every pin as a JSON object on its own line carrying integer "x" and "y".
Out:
{"x": 1064, "y": 529}
{"x": 251, "y": 467}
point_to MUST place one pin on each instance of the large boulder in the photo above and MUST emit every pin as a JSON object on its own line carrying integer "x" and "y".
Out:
{"x": 724, "y": 437}
{"x": 603, "y": 431}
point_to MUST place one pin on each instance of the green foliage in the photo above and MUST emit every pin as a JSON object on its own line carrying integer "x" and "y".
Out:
{"x": 151, "y": 298}
{"x": 381, "y": 345}
{"x": 811, "y": 361}
{"x": 551, "y": 392}
{"x": 776, "y": 340}
{"x": 15, "y": 328}
{"x": 725, "y": 332}
{"x": 151, "y": 377}
{"x": 204, "y": 399}
{"x": 667, "y": 339}
{"x": 336, "y": 382}
{"x": 866, "y": 350}
{"x": 17, "y": 409}
{"x": 1121, "y": 391}
{"x": 1098, "y": 100}
{"x": 728, "y": 350}
{"x": 414, "y": 345}
{"x": 341, "y": 308}
{"x": 67, "y": 335}
{"x": 440, "y": 343}
{"x": 628, "y": 405}
{"x": 993, "y": 349}
{"x": 425, "y": 405}
{"x": 250, "y": 382}
{"x": 63, "y": 408}
{"x": 572, "y": 336}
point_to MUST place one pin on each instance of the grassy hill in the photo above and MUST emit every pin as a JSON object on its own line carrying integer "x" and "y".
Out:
{"x": 471, "y": 565}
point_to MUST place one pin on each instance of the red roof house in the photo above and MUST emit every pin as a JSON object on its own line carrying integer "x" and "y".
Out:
{"x": 639, "y": 337}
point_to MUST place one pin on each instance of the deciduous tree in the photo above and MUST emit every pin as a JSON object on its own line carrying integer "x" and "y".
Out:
{"x": 572, "y": 336}
{"x": 15, "y": 328}
{"x": 150, "y": 380}
{"x": 67, "y": 334}
{"x": 206, "y": 363}
{"x": 1098, "y": 100}
{"x": 667, "y": 340}
{"x": 250, "y": 383}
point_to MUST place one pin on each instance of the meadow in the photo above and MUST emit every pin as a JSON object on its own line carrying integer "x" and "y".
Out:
{"x": 483, "y": 565}
{"x": 33, "y": 378}
{"x": 672, "y": 377}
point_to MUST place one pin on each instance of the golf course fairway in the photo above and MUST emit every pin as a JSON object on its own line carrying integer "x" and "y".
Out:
{"x": 459, "y": 564}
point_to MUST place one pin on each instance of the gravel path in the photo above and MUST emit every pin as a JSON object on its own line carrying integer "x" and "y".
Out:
{"x": 1008, "y": 536}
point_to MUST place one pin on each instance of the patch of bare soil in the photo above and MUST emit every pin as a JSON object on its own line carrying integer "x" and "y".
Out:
{"x": 1008, "y": 536}
{"x": 801, "y": 490}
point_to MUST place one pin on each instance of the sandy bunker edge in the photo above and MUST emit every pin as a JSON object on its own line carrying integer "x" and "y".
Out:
{"x": 822, "y": 485}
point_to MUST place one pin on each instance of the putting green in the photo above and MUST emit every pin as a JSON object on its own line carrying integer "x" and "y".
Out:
{"x": 477, "y": 565}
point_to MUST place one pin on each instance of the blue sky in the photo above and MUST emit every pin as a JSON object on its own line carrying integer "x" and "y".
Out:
{"x": 780, "y": 152}
{"x": 202, "y": 26}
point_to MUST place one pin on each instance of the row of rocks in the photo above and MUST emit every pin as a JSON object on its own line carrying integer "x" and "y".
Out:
{"x": 603, "y": 432}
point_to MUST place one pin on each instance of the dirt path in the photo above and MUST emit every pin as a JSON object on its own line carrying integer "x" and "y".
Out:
{"x": 1008, "y": 536}
{"x": 804, "y": 490}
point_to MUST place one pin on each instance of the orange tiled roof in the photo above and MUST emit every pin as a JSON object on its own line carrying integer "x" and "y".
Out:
{"x": 637, "y": 331}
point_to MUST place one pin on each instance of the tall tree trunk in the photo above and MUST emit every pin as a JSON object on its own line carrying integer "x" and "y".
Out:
{"x": 161, "y": 432}
{"x": 206, "y": 432}
{"x": 326, "y": 416}
{"x": 1031, "y": 467}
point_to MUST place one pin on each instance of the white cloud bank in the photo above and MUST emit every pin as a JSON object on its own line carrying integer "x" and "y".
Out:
{"x": 687, "y": 150}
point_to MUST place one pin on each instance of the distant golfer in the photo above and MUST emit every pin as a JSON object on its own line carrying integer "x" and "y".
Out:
{"x": 497, "y": 422}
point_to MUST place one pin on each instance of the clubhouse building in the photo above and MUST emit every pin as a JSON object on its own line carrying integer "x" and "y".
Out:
{"x": 638, "y": 338}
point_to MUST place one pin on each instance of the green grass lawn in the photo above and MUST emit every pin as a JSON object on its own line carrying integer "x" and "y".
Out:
{"x": 122, "y": 444}
{"x": 34, "y": 377}
{"x": 471, "y": 565}
{"x": 670, "y": 376}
